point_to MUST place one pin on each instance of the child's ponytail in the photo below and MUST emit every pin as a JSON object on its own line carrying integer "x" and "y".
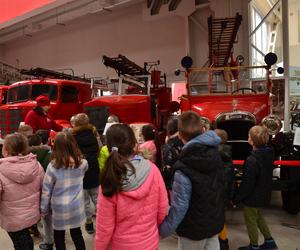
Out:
{"x": 120, "y": 142}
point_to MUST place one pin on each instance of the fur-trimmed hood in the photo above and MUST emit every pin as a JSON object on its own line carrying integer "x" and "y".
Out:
{"x": 78, "y": 129}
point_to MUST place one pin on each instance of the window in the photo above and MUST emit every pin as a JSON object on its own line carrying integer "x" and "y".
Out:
{"x": 69, "y": 94}
{"x": 3, "y": 97}
{"x": 259, "y": 43}
{"x": 19, "y": 94}
{"x": 299, "y": 26}
{"x": 44, "y": 89}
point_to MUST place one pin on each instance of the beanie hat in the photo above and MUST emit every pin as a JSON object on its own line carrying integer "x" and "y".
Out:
{"x": 42, "y": 101}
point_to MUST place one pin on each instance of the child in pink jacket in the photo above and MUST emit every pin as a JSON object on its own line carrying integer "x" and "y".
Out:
{"x": 21, "y": 178}
{"x": 150, "y": 148}
{"x": 132, "y": 199}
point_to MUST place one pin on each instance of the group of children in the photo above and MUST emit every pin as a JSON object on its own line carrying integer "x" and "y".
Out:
{"x": 133, "y": 206}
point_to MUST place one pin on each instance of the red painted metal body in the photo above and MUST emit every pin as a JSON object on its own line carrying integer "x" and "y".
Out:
{"x": 129, "y": 108}
{"x": 67, "y": 98}
{"x": 212, "y": 105}
{"x": 153, "y": 108}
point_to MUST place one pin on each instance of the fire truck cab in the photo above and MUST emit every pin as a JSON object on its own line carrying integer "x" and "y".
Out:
{"x": 3, "y": 94}
{"x": 139, "y": 96}
{"x": 66, "y": 96}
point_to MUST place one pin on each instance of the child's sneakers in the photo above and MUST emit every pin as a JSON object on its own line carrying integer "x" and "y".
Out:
{"x": 33, "y": 230}
{"x": 89, "y": 227}
{"x": 250, "y": 247}
{"x": 45, "y": 246}
{"x": 269, "y": 244}
{"x": 224, "y": 244}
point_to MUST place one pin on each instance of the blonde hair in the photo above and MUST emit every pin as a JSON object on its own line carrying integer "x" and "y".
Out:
{"x": 222, "y": 134}
{"x": 72, "y": 120}
{"x": 25, "y": 130}
{"x": 259, "y": 136}
{"x": 189, "y": 125}
{"x": 81, "y": 119}
{"x": 16, "y": 144}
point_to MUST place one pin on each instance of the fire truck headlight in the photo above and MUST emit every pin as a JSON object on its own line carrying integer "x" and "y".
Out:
{"x": 272, "y": 123}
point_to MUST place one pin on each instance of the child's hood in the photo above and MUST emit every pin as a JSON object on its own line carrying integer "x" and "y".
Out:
{"x": 20, "y": 169}
{"x": 41, "y": 151}
{"x": 133, "y": 181}
{"x": 209, "y": 138}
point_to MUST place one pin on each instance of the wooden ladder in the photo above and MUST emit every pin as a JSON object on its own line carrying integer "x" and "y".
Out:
{"x": 221, "y": 37}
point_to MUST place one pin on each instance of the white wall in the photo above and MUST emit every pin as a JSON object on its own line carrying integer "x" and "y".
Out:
{"x": 81, "y": 44}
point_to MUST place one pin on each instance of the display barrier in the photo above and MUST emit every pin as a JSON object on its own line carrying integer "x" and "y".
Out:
{"x": 278, "y": 163}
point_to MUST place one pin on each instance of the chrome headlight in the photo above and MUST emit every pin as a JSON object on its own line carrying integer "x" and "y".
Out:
{"x": 272, "y": 123}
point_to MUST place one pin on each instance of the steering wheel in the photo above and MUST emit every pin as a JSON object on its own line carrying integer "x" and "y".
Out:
{"x": 243, "y": 90}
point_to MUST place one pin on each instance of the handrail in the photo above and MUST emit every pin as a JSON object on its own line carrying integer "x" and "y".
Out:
{"x": 278, "y": 162}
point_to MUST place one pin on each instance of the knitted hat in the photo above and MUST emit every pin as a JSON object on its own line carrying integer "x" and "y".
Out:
{"x": 42, "y": 101}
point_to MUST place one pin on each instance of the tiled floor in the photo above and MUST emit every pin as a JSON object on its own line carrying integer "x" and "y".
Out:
{"x": 285, "y": 229}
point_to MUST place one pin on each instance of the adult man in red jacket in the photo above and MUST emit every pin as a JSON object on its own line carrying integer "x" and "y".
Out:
{"x": 38, "y": 117}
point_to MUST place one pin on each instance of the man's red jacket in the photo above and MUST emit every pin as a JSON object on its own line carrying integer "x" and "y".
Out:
{"x": 41, "y": 121}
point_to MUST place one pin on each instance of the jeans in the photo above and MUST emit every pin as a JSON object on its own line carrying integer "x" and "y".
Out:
{"x": 205, "y": 244}
{"x": 59, "y": 239}
{"x": 47, "y": 228}
{"x": 21, "y": 239}
{"x": 90, "y": 194}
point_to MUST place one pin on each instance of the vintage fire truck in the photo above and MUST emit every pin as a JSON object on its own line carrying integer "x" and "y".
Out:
{"x": 234, "y": 105}
{"x": 136, "y": 96}
{"x": 227, "y": 96}
{"x": 142, "y": 96}
{"x": 67, "y": 95}
{"x": 237, "y": 104}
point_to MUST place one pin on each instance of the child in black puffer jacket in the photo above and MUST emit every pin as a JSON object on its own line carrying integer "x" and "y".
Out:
{"x": 86, "y": 137}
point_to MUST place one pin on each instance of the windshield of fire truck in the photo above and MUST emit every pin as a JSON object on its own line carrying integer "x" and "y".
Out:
{"x": 125, "y": 87}
{"x": 225, "y": 81}
{"x": 30, "y": 92}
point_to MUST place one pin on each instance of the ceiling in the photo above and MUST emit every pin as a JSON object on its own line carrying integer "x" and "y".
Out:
{"x": 57, "y": 14}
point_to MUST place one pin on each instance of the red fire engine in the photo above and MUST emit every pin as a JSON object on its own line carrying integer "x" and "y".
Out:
{"x": 138, "y": 96}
